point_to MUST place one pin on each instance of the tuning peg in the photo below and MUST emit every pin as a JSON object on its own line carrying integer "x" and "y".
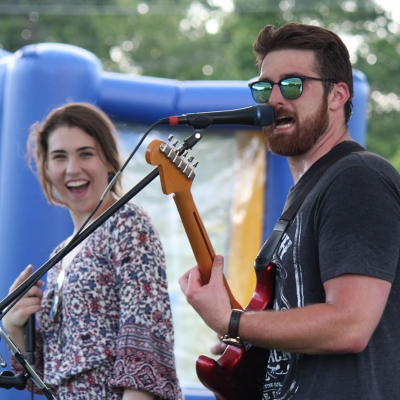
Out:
{"x": 176, "y": 156}
{"x": 164, "y": 146}
{"x": 181, "y": 160}
{"x": 192, "y": 173}
{"x": 171, "y": 149}
{"x": 190, "y": 159}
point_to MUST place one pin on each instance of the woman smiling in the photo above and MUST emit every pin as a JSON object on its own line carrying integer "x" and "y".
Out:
{"x": 105, "y": 324}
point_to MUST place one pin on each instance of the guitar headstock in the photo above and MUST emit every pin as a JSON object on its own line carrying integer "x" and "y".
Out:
{"x": 176, "y": 173}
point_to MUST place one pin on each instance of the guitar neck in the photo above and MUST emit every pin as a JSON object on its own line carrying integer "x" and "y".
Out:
{"x": 198, "y": 238}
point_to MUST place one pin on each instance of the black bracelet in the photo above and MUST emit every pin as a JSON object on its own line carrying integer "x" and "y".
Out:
{"x": 233, "y": 330}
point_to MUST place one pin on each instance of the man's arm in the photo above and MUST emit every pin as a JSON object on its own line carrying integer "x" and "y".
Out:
{"x": 343, "y": 324}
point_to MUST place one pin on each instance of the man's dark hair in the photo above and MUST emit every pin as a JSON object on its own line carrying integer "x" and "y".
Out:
{"x": 331, "y": 54}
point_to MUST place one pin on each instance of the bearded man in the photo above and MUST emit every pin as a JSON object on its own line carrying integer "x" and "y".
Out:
{"x": 334, "y": 330}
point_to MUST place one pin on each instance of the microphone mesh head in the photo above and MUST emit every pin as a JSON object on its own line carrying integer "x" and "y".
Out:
{"x": 263, "y": 115}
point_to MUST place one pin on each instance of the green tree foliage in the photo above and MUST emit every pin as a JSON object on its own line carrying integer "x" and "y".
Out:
{"x": 212, "y": 39}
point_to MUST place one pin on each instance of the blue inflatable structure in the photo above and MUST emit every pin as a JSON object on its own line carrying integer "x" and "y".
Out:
{"x": 38, "y": 78}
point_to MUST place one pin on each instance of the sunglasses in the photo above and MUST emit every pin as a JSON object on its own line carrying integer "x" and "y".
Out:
{"x": 57, "y": 295}
{"x": 290, "y": 87}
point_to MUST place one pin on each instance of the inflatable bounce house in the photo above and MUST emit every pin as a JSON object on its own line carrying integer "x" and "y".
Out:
{"x": 239, "y": 188}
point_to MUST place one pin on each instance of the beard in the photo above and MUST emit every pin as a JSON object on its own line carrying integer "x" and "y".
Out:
{"x": 306, "y": 134}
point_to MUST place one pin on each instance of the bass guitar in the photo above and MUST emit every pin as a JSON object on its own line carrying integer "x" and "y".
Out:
{"x": 239, "y": 373}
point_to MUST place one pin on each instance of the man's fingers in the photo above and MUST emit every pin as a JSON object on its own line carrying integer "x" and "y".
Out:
{"x": 183, "y": 281}
{"x": 217, "y": 270}
{"x": 190, "y": 280}
{"x": 218, "y": 348}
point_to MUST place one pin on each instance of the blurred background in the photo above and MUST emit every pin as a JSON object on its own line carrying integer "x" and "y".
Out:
{"x": 212, "y": 40}
{"x": 199, "y": 41}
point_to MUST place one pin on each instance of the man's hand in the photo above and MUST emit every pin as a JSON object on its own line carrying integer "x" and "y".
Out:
{"x": 210, "y": 300}
{"x": 218, "y": 347}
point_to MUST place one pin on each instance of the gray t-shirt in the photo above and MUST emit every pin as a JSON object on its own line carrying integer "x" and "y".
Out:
{"x": 349, "y": 223}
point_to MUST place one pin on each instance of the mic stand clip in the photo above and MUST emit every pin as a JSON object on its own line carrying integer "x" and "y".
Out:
{"x": 18, "y": 380}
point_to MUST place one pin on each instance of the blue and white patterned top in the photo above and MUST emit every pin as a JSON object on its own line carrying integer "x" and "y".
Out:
{"x": 115, "y": 315}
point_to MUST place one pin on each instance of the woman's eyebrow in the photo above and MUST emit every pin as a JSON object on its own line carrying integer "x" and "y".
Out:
{"x": 84, "y": 148}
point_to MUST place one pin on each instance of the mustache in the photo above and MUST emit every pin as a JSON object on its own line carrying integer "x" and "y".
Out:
{"x": 281, "y": 113}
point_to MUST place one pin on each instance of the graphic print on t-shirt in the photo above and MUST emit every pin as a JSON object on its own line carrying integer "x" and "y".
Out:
{"x": 280, "y": 380}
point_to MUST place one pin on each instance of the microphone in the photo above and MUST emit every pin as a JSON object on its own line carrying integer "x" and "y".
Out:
{"x": 259, "y": 115}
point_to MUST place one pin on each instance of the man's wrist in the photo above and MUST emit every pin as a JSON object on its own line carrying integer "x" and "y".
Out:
{"x": 232, "y": 338}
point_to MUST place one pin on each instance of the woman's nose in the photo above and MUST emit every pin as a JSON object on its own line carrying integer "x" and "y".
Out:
{"x": 73, "y": 166}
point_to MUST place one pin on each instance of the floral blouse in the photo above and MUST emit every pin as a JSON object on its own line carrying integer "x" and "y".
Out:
{"x": 115, "y": 313}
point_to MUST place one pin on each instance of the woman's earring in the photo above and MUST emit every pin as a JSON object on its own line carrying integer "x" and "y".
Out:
{"x": 110, "y": 177}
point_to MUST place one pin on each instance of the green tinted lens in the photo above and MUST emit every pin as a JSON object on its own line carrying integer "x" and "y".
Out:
{"x": 261, "y": 91}
{"x": 291, "y": 88}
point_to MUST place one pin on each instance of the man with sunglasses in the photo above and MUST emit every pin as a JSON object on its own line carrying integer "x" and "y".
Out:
{"x": 334, "y": 331}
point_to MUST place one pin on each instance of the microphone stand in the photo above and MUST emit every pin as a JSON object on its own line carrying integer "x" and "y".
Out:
{"x": 30, "y": 345}
{"x": 19, "y": 382}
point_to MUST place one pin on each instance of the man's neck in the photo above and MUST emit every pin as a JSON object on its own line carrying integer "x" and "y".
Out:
{"x": 299, "y": 165}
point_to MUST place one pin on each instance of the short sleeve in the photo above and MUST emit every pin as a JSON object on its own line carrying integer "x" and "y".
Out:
{"x": 359, "y": 225}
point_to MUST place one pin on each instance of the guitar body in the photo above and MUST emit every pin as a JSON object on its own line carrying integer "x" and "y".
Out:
{"x": 237, "y": 375}
{"x": 240, "y": 371}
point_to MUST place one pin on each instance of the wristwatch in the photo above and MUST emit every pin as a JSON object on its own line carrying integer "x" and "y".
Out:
{"x": 233, "y": 330}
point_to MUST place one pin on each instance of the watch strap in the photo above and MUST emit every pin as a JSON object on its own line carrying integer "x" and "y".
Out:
{"x": 233, "y": 329}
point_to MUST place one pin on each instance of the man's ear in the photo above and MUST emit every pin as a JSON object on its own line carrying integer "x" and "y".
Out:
{"x": 338, "y": 96}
